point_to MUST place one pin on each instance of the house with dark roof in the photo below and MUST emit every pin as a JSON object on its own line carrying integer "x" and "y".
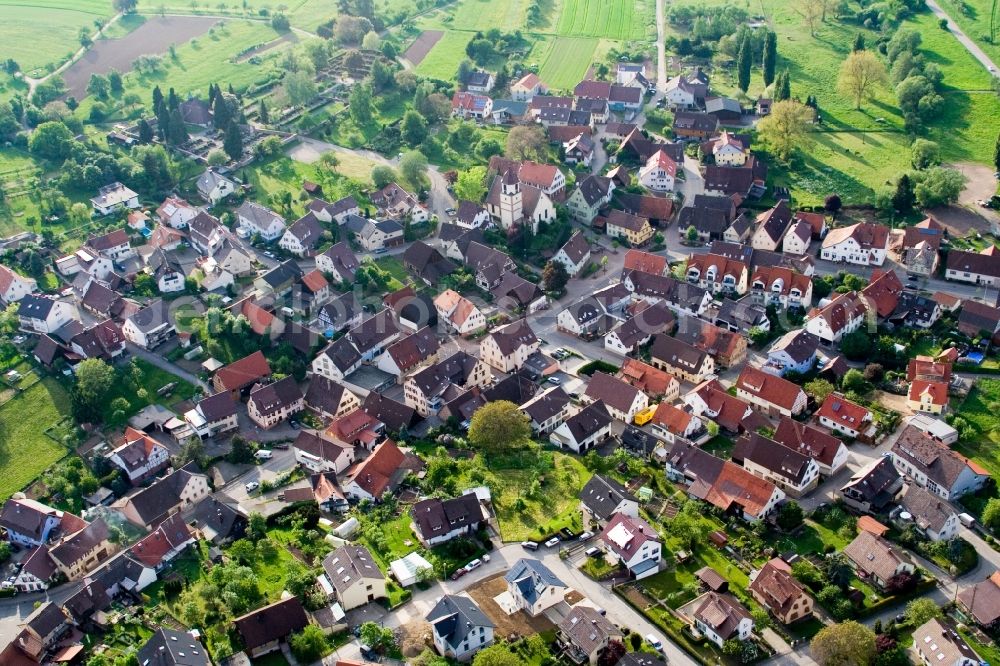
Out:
{"x": 933, "y": 516}
{"x": 875, "y": 560}
{"x": 303, "y": 236}
{"x": 584, "y": 430}
{"x": 270, "y": 404}
{"x": 427, "y": 263}
{"x": 533, "y": 587}
{"x": 873, "y": 487}
{"x": 776, "y": 589}
{"x": 44, "y": 314}
{"x": 721, "y": 483}
{"x": 974, "y": 267}
{"x": 795, "y": 351}
{"x": 695, "y": 125}
{"x": 575, "y": 254}
{"x": 640, "y": 328}
{"x": 217, "y": 519}
{"x": 585, "y": 634}
{"x": 829, "y": 452}
{"x": 257, "y": 220}
{"x": 139, "y": 455}
{"x": 623, "y": 400}
{"x": 262, "y": 631}
{"x": 681, "y": 359}
{"x": 339, "y": 262}
{"x": 319, "y": 453}
{"x": 602, "y": 497}
{"x": 793, "y": 472}
{"x": 934, "y": 466}
{"x": 167, "y": 647}
{"x": 547, "y": 410}
{"x": 719, "y": 617}
{"x": 742, "y": 315}
{"x": 175, "y": 492}
{"x": 354, "y": 576}
{"x": 589, "y": 196}
{"x": 242, "y": 374}
{"x": 149, "y": 327}
{"x": 631, "y": 542}
{"x": 982, "y": 601}
{"x": 460, "y": 627}
{"x": 979, "y": 320}
{"x": 507, "y": 348}
{"x": 436, "y": 521}
{"x": 842, "y": 315}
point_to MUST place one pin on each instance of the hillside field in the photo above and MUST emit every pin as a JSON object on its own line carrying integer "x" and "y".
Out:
{"x": 54, "y": 26}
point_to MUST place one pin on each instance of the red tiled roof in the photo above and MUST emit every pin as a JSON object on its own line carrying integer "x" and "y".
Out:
{"x": 673, "y": 419}
{"x": 775, "y": 390}
{"x": 375, "y": 472}
{"x": 243, "y": 372}
{"x": 937, "y": 390}
{"x": 884, "y": 290}
{"x": 314, "y": 281}
{"x": 840, "y": 410}
{"x": 637, "y": 260}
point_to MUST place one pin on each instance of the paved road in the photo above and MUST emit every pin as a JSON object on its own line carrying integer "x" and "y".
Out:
{"x": 500, "y": 561}
{"x": 960, "y": 35}
{"x": 163, "y": 364}
{"x": 14, "y": 610}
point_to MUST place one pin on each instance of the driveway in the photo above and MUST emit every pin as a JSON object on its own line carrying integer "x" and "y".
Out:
{"x": 163, "y": 364}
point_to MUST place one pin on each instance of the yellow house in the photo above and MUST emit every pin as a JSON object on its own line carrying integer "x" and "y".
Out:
{"x": 927, "y": 396}
{"x": 632, "y": 228}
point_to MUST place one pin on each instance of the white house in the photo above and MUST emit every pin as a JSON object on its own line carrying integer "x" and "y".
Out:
{"x": 679, "y": 94}
{"x": 658, "y": 173}
{"x": 844, "y": 314}
{"x": 533, "y": 587}
{"x": 214, "y": 187}
{"x": 934, "y": 466}
{"x": 794, "y": 472}
{"x": 354, "y": 576}
{"x": 254, "y": 219}
{"x": 176, "y": 212}
{"x": 149, "y": 327}
{"x": 213, "y": 415}
{"x": 864, "y": 244}
{"x": 527, "y": 87}
{"x": 139, "y": 456}
{"x": 719, "y": 617}
{"x": 936, "y": 642}
{"x": 14, "y": 287}
{"x": 270, "y": 404}
{"x": 622, "y": 399}
{"x": 459, "y": 312}
{"x": 114, "y": 197}
{"x": 584, "y": 430}
{"x": 929, "y": 512}
{"x": 43, "y": 314}
{"x": 575, "y": 254}
{"x": 841, "y": 415}
{"x": 460, "y": 627}
{"x": 797, "y": 238}
{"x": 507, "y": 348}
{"x": 634, "y": 544}
{"x": 318, "y": 453}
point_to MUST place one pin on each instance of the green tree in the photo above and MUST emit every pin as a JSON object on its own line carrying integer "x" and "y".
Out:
{"x": 691, "y": 234}
{"x": 818, "y": 389}
{"x": 115, "y": 82}
{"x": 924, "y": 154}
{"x": 413, "y": 167}
{"x": 770, "y": 57}
{"x": 903, "y": 198}
{"x": 996, "y": 154}
{"x": 178, "y": 132}
{"x": 145, "y": 132}
{"x": 854, "y": 380}
{"x": 782, "y": 87}
{"x": 300, "y": 87}
{"x": 361, "y": 104}
{"x": 414, "y": 128}
{"x": 838, "y": 570}
{"x": 845, "y": 644}
{"x": 498, "y": 654}
{"x": 859, "y": 42}
{"x": 471, "y": 184}
{"x": 554, "y": 276}
{"x": 51, "y": 140}
{"x": 991, "y": 514}
{"x": 743, "y": 62}
{"x": 860, "y": 75}
{"x": 376, "y": 637}
{"x": 920, "y": 611}
{"x": 938, "y": 186}
{"x": 309, "y": 644}
{"x": 99, "y": 86}
{"x": 786, "y": 127}
{"x": 758, "y": 336}
{"x": 856, "y": 345}
{"x": 790, "y": 515}
{"x": 94, "y": 379}
{"x": 526, "y": 142}
{"x": 232, "y": 143}
{"x": 383, "y": 175}
{"x": 498, "y": 426}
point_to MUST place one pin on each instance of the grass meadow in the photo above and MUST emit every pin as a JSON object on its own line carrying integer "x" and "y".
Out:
{"x": 442, "y": 60}
{"x": 565, "y": 60}
{"x": 54, "y": 27}
{"x": 613, "y": 19}
{"x": 25, "y": 451}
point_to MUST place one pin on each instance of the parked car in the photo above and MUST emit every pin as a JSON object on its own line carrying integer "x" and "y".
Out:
{"x": 586, "y": 535}
{"x": 554, "y": 380}
{"x": 554, "y": 541}
{"x": 593, "y": 551}
{"x": 263, "y": 454}
{"x": 380, "y": 250}
{"x": 654, "y": 641}
{"x": 473, "y": 565}
{"x": 252, "y": 486}
{"x": 458, "y": 574}
{"x": 529, "y": 545}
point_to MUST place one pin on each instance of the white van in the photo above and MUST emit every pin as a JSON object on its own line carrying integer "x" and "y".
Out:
{"x": 263, "y": 454}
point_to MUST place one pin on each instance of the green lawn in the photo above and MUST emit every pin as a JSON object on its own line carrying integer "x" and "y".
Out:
{"x": 973, "y": 17}
{"x": 284, "y": 174}
{"x": 442, "y": 61}
{"x": 53, "y": 26}
{"x": 856, "y": 152}
{"x": 555, "y": 507}
{"x": 210, "y": 58}
{"x": 153, "y": 379}
{"x": 564, "y": 60}
{"x": 980, "y": 410}
{"x": 395, "y": 268}
{"x": 25, "y": 451}
{"x": 614, "y": 19}
{"x": 473, "y": 15}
